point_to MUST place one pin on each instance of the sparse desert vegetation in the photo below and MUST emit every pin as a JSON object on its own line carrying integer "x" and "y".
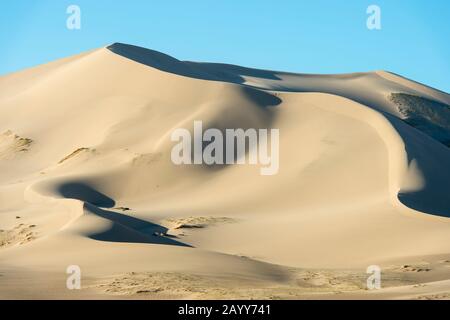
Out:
{"x": 21, "y": 234}
{"x": 196, "y": 222}
{"x": 429, "y": 116}
{"x": 12, "y": 144}
{"x": 75, "y": 153}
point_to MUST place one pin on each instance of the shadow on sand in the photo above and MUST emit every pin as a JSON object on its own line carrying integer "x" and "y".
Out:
{"x": 124, "y": 228}
{"x": 198, "y": 70}
{"x": 432, "y": 159}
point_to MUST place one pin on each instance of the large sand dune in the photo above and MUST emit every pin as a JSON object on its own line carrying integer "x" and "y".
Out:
{"x": 86, "y": 179}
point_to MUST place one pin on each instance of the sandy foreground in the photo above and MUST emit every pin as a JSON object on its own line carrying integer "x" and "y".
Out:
{"x": 86, "y": 179}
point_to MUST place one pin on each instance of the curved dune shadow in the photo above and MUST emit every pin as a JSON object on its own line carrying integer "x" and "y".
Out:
{"x": 424, "y": 201}
{"x": 124, "y": 228}
{"x": 84, "y": 192}
{"x": 130, "y": 229}
{"x": 261, "y": 98}
{"x": 432, "y": 159}
{"x": 198, "y": 70}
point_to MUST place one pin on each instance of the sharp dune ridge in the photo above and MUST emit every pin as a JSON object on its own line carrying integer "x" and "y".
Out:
{"x": 85, "y": 159}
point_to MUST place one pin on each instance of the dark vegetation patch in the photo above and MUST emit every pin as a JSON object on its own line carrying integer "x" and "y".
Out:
{"x": 429, "y": 116}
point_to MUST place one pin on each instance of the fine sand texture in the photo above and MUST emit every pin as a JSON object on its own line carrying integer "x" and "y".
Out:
{"x": 86, "y": 179}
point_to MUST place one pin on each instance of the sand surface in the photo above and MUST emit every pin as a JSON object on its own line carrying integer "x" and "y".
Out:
{"x": 86, "y": 179}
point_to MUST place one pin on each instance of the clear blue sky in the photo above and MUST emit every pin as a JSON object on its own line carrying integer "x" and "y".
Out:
{"x": 315, "y": 36}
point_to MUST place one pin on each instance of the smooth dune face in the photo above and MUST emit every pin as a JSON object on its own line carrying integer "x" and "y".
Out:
{"x": 86, "y": 179}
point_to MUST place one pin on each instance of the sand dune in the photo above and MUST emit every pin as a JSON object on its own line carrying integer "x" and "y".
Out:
{"x": 85, "y": 160}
